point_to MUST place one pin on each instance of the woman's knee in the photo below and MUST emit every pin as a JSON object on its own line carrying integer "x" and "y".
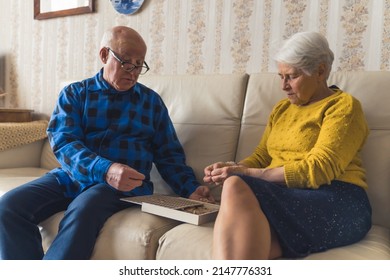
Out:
{"x": 235, "y": 188}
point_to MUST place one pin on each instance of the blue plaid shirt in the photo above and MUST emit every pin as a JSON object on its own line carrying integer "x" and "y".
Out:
{"x": 93, "y": 126}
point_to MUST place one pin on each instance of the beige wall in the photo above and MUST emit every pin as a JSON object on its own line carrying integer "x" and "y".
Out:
{"x": 184, "y": 36}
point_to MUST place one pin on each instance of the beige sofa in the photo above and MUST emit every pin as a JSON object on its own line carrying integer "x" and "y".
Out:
{"x": 221, "y": 118}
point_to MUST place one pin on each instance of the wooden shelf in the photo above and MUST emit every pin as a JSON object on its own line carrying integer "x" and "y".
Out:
{"x": 15, "y": 115}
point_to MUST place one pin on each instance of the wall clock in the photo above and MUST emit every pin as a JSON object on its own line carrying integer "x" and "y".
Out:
{"x": 127, "y": 7}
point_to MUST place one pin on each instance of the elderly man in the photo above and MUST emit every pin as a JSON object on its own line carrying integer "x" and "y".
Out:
{"x": 105, "y": 131}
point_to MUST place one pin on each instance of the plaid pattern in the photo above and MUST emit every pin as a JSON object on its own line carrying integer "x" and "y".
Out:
{"x": 93, "y": 125}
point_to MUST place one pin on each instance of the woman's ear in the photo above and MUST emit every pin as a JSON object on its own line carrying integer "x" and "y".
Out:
{"x": 322, "y": 71}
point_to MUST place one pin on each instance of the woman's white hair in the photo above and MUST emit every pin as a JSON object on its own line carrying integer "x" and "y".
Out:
{"x": 306, "y": 51}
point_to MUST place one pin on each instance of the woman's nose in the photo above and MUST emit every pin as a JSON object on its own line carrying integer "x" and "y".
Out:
{"x": 285, "y": 84}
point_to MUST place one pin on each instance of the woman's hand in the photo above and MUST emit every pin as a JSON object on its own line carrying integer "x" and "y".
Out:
{"x": 218, "y": 172}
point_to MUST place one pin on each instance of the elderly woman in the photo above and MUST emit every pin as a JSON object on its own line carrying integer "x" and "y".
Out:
{"x": 303, "y": 190}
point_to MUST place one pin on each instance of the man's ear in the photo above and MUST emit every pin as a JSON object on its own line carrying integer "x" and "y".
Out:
{"x": 104, "y": 55}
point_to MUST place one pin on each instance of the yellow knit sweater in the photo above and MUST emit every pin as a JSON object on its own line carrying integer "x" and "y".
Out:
{"x": 316, "y": 143}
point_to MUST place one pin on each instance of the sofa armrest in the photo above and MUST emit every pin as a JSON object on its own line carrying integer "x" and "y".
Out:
{"x": 28, "y": 155}
{"x": 21, "y": 143}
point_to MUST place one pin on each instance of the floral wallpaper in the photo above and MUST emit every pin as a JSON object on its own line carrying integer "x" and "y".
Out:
{"x": 354, "y": 21}
{"x": 385, "y": 42}
{"x": 183, "y": 37}
{"x": 241, "y": 43}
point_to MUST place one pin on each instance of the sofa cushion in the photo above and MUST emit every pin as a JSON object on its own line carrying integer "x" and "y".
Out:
{"x": 195, "y": 242}
{"x": 368, "y": 87}
{"x": 187, "y": 242}
{"x": 128, "y": 234}
{"x": 9, "y": 182}
{"x": 374, "y": 246}
{"x": 22, "y": 172}
{"x": 263, "y": 91}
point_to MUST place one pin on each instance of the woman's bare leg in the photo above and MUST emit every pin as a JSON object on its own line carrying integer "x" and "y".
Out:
{"x": 241, "y": 229}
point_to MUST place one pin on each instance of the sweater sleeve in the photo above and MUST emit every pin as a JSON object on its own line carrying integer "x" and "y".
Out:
{"x": 342, "y": 135}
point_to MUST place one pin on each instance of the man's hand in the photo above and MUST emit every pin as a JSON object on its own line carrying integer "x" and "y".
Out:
{"x": 202, "y": 193}
{"x": 123, "y": 177}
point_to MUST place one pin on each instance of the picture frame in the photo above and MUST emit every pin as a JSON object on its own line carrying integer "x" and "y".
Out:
{"x": 87, "y": 6}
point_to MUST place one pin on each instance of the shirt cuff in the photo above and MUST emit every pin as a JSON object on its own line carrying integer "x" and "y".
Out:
{"x": 100, "y": 169}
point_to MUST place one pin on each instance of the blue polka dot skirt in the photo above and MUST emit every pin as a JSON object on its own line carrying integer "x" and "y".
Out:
{"x": 313, "y": 220}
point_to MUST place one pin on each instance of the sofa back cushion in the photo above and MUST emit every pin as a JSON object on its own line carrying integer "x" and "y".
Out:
{"x": 48, "y": 160}
{"x": 206, "y": 112}
{"x": 371, "y": 88}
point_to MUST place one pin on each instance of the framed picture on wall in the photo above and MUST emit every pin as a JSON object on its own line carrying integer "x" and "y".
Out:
{"x": 45, "y": 9}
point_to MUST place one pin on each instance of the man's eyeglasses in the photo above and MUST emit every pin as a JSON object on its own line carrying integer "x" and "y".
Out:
{"x": 129, "y": 67}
